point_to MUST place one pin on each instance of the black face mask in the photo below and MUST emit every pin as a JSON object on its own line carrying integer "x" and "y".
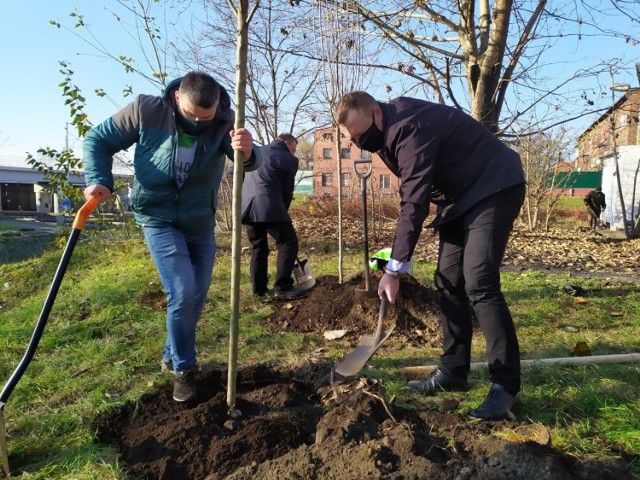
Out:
{"x": 190, "y": 126}
{"x": 372, "y": 139}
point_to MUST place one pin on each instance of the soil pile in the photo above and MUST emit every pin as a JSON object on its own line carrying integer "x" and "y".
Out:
{"x": 294, "y": 424}
{"x": 291, "y": 430}
{"x": 334, "y": 306}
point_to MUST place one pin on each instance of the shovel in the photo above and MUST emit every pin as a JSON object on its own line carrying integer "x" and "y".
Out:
{"x": 304, "y": 275}
{"x": 353, "y": 362}
{"x": 78, "y": 225}
{"x": 368, "y": 292}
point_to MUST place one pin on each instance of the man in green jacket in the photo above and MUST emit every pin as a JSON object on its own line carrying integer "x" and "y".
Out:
{"x": 182, "y": 140}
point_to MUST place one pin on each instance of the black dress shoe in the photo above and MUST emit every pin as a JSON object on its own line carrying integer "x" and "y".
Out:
{"x": 289, "y": 294}
{"x": 438, "y": 381}
{"x": 496, "y": 405}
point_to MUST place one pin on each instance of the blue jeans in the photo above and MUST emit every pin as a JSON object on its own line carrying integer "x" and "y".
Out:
{"x": 185, "y": 264}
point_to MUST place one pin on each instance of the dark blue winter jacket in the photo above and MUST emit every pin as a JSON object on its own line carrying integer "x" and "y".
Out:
{"x": 267, "y": 192}
{"x": 443, "y": 156}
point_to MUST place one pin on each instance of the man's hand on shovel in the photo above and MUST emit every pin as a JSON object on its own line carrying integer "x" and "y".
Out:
{"x": 390, "y": 286}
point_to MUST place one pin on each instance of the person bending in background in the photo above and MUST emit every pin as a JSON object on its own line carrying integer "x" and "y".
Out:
{"x": 595, "y": 203}
{"x": 182, "y": 140}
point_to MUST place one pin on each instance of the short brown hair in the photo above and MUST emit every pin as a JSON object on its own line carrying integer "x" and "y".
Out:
{"x": 287, "y": 137}
{"x": 201, "y": 89}
{"x": 354, "y": 101}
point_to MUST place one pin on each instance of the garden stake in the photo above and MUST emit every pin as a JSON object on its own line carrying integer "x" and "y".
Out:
{"x": 78, "y": 224}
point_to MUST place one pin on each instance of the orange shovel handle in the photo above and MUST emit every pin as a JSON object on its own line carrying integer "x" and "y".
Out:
{"x": 86, "y": 210}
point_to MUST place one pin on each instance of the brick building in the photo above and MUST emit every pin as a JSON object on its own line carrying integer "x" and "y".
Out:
{"x": 596, "y": 152}
{"x": 384, "y": 183}
{"x": 595, "y": 144}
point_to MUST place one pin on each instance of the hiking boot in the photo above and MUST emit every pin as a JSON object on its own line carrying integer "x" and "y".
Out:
{"x": 438, "y": 381}
{"x": 184, "y": 388}
{"x": 496, "y": 405}
{"x": 289, "y": 294}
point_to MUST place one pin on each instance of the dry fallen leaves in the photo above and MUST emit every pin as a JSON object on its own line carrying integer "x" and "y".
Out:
{"x": 574, "y": 250}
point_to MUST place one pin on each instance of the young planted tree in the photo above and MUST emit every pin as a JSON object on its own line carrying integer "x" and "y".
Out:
{"x": 340, "y": 43}
{"x": 547, "y": 174}
{"x": 243, "y": 17}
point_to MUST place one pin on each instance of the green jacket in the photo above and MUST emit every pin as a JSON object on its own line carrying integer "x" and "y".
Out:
{"x": 149, "y": 122}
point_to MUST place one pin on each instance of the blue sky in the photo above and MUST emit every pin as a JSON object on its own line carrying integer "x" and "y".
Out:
{"x": 33, "y": 114}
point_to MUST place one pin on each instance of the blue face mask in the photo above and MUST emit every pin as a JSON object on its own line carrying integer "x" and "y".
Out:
{"x": 190, "y": 126}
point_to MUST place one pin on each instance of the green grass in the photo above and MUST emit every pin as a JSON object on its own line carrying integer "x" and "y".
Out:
{"x": 570, "y": 203}
{"x": 103, "y": 342}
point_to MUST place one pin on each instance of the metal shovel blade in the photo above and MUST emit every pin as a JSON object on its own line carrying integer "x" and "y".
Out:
{"x": 353, "y": 362}
{"x": 304, "y": 275}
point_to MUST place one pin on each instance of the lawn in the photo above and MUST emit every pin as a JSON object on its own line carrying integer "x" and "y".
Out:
{"x": 101, "y": 349}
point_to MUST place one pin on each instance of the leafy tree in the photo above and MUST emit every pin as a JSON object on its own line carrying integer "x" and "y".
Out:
{"x": 60, "y": 165}
{"x": 57, "y": 167}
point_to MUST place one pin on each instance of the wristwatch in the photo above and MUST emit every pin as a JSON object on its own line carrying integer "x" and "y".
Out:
{"x": 392, "y": 274}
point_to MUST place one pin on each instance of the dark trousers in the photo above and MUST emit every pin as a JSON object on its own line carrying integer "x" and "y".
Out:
{"x": 594, "y": 215}
{"x": 468, "y": 278}
{"x": 287, "y": 245}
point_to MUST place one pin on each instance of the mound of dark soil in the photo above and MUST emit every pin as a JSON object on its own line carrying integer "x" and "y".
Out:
{"x": 290, "y": 430}
{"x": 296, "y": 425}
{"x": 334, "y": 306}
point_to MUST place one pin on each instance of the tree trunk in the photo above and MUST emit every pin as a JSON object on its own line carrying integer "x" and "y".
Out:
{"x": 614, "y": 143}
{"x": 340, "y": 239}
{"x": 483, "y": 64}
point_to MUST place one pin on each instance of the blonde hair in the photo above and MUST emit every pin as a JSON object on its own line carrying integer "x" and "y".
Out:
{"x": 354, "y": 101}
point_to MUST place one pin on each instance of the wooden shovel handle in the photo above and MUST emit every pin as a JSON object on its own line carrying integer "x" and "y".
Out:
{"x": 382, "y": 316}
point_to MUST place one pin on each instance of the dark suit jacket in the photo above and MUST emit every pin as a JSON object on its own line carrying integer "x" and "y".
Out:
{"x": 596, "y": 201}
{"x": 444, "y": 156}
{"x": 267, "y": 192}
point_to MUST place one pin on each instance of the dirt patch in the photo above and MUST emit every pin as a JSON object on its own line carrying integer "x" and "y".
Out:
{"x": 294, "y": 424}
{"x": 289, "y": 429}
{"x": 334, "y": 306}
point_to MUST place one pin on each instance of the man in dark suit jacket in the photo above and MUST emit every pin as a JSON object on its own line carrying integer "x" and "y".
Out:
{"x": 444, "y": 156}
{"x": 266, "y": 196}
